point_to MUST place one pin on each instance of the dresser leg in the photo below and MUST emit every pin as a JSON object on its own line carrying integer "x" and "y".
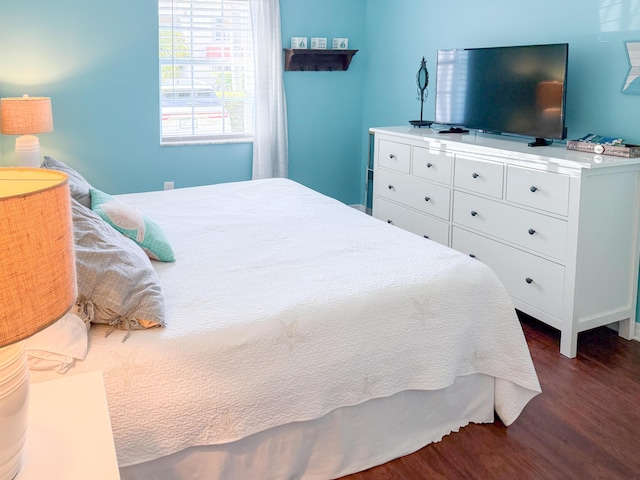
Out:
{"x": 626, "y": 329}
{"x": 568, "y": 344}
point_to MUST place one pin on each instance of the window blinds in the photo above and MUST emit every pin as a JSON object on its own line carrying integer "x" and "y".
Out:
{"x": 206, "y": 70}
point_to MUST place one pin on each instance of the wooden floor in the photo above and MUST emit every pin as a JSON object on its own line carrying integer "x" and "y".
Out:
{"x": 584, "y": 425}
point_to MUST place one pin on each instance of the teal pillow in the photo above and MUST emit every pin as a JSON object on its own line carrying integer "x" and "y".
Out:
{"x": 133, "y": 224}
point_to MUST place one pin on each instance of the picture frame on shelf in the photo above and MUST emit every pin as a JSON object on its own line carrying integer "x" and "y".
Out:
{"x": 299, "y": 42}
{"x": 318, "y": 43}
{"x": 340, "y": 43}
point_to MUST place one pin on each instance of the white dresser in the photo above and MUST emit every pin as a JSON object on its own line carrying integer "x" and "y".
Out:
{"x": 560, "y": 228}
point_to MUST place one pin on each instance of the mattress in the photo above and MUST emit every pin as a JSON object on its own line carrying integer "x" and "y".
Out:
{"x": 284, "y": 305}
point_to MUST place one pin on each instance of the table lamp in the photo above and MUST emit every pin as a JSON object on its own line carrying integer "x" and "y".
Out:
{"x": 37, "y": 287}
{"x": 26, "y": 116}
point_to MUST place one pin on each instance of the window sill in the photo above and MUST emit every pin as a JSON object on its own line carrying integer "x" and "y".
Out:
{"x": 179, "y": 142}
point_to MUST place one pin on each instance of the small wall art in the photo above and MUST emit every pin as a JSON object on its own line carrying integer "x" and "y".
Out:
{"x": 339, "y": 43}
{"x": 319, "y": 43}
{"x": 632, "y": 83}
{"x": 298, "y": 42}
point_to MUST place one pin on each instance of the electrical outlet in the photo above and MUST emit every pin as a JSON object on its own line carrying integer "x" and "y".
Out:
{"x": 168, "y": 185}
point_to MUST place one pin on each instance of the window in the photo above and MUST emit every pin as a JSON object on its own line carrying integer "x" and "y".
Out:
{"x": 206, "y": 71}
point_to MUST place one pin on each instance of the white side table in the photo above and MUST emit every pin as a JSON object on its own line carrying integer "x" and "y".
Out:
{"x": 69, "y": 431}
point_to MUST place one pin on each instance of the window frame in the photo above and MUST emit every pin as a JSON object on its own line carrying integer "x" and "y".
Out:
{"x": 205, "y": 46}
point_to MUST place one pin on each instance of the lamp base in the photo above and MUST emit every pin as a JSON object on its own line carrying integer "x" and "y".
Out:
{"x": 14, "y": 406}
{"x": 28, "y": 151}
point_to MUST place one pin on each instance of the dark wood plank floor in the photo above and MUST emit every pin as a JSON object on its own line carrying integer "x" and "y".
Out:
{"x": 584, "y": 425}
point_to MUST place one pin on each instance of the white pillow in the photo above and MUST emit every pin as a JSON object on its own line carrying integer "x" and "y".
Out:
{"x": 57, "y": 346}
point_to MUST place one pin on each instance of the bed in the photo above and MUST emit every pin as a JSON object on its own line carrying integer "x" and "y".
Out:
{"x": 302, "y": 338}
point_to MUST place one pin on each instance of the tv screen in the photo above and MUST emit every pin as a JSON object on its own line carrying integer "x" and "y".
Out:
{"x": 518, "y": 90}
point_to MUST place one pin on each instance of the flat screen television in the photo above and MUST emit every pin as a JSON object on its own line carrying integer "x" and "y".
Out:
{"x": 518, "y": 90}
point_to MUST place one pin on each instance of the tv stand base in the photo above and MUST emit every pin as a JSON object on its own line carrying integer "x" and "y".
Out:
{"x": 540, "y": 142}
{"x": 454, "y": 130}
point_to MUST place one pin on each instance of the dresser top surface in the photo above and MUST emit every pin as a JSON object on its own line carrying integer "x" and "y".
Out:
{"x": 507, "y": 147}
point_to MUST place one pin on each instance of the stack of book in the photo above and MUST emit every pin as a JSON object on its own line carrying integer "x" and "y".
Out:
{"x": 604, "y": 146}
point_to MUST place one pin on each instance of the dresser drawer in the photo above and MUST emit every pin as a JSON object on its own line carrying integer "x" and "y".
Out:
{"x": 412, "y": 221}
{"x": 412, "y": 192}
{"x": 546, "y": 191}
{"x": 395, "y": 156}
{"x": 435, "y": 165}
{"x": 479, "y": 176}
{"x": 534, "y": 231}
{"x": 528, "y": 278}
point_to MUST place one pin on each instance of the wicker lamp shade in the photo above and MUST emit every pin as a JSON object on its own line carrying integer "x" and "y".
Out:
{"x": 25, "y": 115}
{"x": 37, "y": 262}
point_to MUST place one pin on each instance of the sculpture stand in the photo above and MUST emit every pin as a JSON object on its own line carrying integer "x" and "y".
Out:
{"x": 422, "y": 80}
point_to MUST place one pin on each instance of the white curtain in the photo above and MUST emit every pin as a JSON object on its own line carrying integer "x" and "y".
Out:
{"x": 270, "y": 143}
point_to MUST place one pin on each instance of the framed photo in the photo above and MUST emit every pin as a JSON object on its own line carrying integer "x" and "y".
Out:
{"x": 299, "y": 42}
{"x": 339, "y": 43}
{"x": 319, "y": 43}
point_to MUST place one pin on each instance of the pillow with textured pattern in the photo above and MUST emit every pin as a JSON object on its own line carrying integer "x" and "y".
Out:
{"x": 78, "y": 186}
{"x": 117, "y": 285}
{"x": 134, "y": 224}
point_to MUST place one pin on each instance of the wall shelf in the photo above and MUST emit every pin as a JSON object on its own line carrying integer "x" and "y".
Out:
{"x": 305, "y": 59}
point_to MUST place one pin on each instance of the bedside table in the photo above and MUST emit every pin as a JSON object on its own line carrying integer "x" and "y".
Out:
{"x": 69, "y": 431}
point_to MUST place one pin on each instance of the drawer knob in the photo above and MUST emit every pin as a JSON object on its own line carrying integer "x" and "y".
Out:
{"x": 475, "y": 175}
{"x": 473, "y": 213}
{"x": 392, "y": 156}
{"x": 528, "y": 280}
{"x": 390, "y": 222}
{"x": 391, "y": 187}
{"x": 426, "y": 199}
{"x": 533, "y": 188}
{"x": 426, "y": 236}
{"x": 472, "y": 255}
{"x": 531, "y": 231}
{"x": 429, "y": 165}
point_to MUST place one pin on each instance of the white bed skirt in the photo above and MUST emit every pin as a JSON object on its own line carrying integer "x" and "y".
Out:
{"x": 344, "y": 441}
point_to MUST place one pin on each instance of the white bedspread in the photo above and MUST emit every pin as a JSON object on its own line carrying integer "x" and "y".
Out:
{"x": 283, "y": 305}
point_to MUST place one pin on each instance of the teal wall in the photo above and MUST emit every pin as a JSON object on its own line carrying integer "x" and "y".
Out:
{"x": 325, "y": 108}
{"x": 98, "y": 63}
